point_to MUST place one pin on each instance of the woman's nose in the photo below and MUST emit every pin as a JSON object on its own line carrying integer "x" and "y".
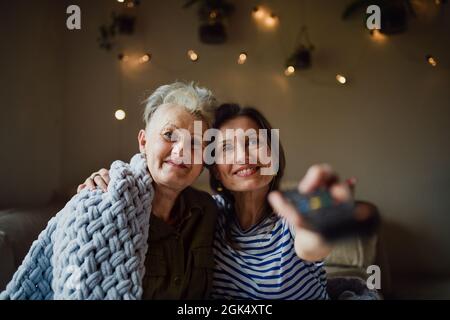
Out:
{"x": 241, "y": 155}
{"x": 177, "y": 148}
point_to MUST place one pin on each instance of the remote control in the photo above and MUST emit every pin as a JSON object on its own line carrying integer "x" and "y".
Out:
{"x": 334, "y": 221}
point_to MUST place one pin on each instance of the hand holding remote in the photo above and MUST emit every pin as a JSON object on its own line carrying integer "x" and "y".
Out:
{"x": 333, "y": 220}
{"x": 325, "y": 206}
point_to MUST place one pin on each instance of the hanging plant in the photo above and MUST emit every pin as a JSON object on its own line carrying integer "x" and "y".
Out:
{"x": 121, "y": 24}
{"x": 301, "y": 58}
{"x": 394, "y": 13}
{"x": 213, "y": 15}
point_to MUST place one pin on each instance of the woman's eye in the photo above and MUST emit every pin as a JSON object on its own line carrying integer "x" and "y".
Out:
{"x": 227, "y": 147}
{"x": 253, "y": 142}
{"x": 168, "y": 135}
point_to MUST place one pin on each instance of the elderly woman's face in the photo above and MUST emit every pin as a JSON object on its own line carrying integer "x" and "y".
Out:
{"x": 163, "y": 144}
{"x": 240, "y": 174}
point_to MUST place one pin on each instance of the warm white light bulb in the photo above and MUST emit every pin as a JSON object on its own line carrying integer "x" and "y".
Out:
{"x": 377, "y": 35}
{"x": 242, "y": 58}
{"x": 120, "y": 114}
{"x": 341, "y": 79}
{"x": 271, "y": 20}
{"x": 123, "y": 57}
{"x": 289, "y": 70}
{"x": 259, "y": 13}
{"x": 192, "y": 55}
{"x": 432, "y": 61}
{"x": 145, "y": 58}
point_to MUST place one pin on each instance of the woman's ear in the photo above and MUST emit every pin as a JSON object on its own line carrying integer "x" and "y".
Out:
{"x": 142, "y": 140}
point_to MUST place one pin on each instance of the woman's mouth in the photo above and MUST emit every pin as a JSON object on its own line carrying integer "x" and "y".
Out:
{"x": 246, "y": 172}
{"x": 176, "y": 165}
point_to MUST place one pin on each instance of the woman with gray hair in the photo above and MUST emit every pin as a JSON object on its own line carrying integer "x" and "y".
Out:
{"x": 179, "y": 259}
{"x": 149, "y": 236}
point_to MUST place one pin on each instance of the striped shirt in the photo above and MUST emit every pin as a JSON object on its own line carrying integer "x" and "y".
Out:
{"x": 265, "y": 266}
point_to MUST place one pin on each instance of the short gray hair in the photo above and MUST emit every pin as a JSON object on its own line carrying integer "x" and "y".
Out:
{"x": 197, "y": 100}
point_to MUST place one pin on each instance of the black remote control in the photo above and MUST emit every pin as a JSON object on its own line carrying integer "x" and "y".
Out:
{"x": 334, "y": 221}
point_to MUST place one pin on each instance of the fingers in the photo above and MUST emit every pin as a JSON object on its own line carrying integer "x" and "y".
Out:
{"x": 97, "y": 179}
{"x": 100, "y": 182}
{"x": 90, "y": 184}
{"x": 322, "y": 175}
{"x": 104, "y": 173}
{"x": 341, "y": 192}
{"x": 81, "y": 187}
{"x": 87, "y": 184}
{"x": 284, "y": 209}
{"x": 316, "y": 176}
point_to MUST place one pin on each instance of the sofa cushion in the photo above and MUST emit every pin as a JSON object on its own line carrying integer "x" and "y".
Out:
{"x": 7, "y": 265}
{"x": 356, "y": 252}
{"x": 18, "y": 229}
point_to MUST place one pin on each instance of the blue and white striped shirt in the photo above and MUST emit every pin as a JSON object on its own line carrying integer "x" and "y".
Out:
{"x": 265, "y": 266}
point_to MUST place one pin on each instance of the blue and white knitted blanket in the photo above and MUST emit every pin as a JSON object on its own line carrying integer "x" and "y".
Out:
{"x": 95, "y": 247}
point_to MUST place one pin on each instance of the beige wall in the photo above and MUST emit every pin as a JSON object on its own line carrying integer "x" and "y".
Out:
{"x": 388, "y": 127}
{"x": 31, "y": 91}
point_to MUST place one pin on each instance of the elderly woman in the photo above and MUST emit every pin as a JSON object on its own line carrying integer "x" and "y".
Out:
{"x": 179, "y": 261}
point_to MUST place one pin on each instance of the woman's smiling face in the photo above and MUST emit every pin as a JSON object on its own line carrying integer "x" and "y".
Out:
{"x": 243, "y": 172}
{"x": 163, "y": 141}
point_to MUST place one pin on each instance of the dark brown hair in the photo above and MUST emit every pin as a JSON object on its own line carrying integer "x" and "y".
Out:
{"x": 224, "y": 113}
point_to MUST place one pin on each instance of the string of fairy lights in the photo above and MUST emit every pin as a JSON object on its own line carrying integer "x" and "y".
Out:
{"x": 265, "y": 18}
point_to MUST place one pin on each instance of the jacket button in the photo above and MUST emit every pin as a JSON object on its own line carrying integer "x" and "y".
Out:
{"x": 177, "y": 281}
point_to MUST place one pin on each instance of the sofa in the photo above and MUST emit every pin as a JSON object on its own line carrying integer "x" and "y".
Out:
{"x": 348, "y": 261}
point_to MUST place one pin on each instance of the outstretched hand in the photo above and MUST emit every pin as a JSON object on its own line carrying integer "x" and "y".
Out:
{"x": 310, "y": 245}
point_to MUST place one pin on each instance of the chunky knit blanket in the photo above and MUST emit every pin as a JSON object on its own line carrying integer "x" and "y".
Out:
{"x": 95, "y": 247}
